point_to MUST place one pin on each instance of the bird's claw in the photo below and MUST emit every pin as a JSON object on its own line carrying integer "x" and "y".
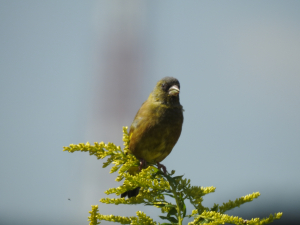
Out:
{"x": 163, "y": 167}
{"x": 143, "y": 164}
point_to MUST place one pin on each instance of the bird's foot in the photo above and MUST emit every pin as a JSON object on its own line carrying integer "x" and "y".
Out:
{"x": 143, "y": 164}
{"x": 163, "y": 167}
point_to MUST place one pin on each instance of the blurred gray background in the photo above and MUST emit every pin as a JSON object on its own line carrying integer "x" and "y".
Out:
{"x": 77, "y": 71}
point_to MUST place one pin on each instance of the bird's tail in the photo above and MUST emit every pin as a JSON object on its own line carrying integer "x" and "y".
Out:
{"x": 131, "y": 193}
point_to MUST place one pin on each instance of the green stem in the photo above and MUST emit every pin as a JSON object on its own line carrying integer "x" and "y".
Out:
{"x": 178, "y": 204}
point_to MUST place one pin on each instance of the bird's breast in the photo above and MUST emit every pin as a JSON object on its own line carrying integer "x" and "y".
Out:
{"x": 154, "y": 135}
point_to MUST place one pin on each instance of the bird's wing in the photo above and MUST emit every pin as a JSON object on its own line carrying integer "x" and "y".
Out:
{"x": 141, "y": 124}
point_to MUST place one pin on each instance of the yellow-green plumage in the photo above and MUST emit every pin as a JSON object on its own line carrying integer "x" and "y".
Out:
{"x": 157, "y": 125}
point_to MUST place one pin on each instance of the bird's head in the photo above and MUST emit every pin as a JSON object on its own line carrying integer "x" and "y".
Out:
{"x": 167, "y": 90}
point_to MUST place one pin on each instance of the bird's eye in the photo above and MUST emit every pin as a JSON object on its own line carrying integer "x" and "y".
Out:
{"x": 163, "y": 85}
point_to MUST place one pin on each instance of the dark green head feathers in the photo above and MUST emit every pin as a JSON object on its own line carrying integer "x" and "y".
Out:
{"x": 167, "y": 91}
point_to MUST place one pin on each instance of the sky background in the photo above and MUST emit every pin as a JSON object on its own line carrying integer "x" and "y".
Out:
{"x": 77, "y": 71}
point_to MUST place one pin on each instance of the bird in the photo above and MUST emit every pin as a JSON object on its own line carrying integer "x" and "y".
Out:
{"x": 156, "y": 127}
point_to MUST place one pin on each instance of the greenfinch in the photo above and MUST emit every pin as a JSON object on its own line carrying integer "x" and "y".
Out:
{"x": 156, "y": 126}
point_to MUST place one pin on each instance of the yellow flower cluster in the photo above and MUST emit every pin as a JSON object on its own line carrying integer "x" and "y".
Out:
{"x": 194, "y": 212}
{"x": 184, "y": 185}
{"x": 97, "y": 150}
{"x": 154, "y": 186}
{"x": 145, "y": 178}
{"x": 117, "y": 201}
{"x": 164, "y": 209}
{"x": 144, "y": 196}
{"x": 94, "y": 213}
{"x": 197, "y": 191}
{"x": 195, "y": 194}
{"x": 121, "y": 161}
{"x": 215, "y": 218}
{"x": 141, "y": 219}
{"x": 113, "y": 218}
{"x": 124, "y": 163}
{"x": 126, "y": 139}
{"x": 239, "y": 201}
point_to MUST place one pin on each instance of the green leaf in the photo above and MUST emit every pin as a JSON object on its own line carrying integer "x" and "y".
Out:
{"x": 159, "y": 205}
{"x": 173, "y": 211}
{"x": 158, "y": 172}
{"x": 170, "y": 179}
{"x": 178, "y": 177}
{"x": 163, "y": 217}
{"x": 155, "y": 169}
{"x": 171, "y": 219}
{"x": 171, "y": 206}
{"x": 169, "y": 195}
{"x": 184, "y": 210}
{"x": 215, "y": 208}
{"x": 180, "y": 195}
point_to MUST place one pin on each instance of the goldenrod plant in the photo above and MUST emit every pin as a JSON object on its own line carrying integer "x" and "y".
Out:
{"x": 155, "y": 186}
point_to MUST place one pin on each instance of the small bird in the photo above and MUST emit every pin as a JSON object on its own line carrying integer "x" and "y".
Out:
{"x": 156, "y": 126}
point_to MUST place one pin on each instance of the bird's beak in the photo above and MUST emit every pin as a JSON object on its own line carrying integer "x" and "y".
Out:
{"x": 174, "y": 90}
